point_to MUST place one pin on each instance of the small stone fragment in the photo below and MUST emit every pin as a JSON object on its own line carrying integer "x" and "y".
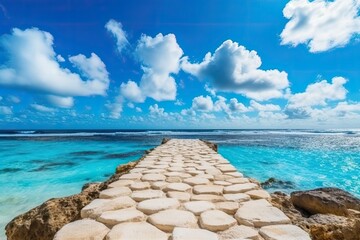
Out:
{"x": 121, "y": 183}
{"x": 283, "y": 232}
{"x": 237, "y": 197}
{"x": 228, "y": 207}
{"x": 112, "y": 218}
{"x": 153, "y": 177}
{"x": 208, "y": 197}
{"x": 258, "y": 194}
{"x": 131, "y": 176}
{"x": 152, "y": 206}
{"x": 146, "y": 194}
{"x": 239, "y": 232}
{"x": 115, "y": 192}
{"x": 180, "y": 233}
{"x": 167, "y": 220}
{"x": 215, "y": 220}
{"x": 197, "y": 207}
{"x": 181, "y": 187}
{"x": 208, "y": 189}
{"x": 140, "y": 186}
{"x": 240, "y": 188}
{"x": 181, "y": 196}
{"x": 136, "y": 230}
{"x": 75, "y": 230}
{"x": 196, "y": 181}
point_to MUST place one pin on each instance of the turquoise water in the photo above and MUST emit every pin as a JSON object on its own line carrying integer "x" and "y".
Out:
{"x": 36, "y": 166}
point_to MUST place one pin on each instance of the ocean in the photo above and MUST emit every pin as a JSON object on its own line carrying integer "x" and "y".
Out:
{"x": 38, "y": 165}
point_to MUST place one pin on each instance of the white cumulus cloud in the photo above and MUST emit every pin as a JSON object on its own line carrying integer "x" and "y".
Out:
{"x": 32, "y": 65}
{"x": 115, "y": 28}
{"x": 321, "y": 24}
{"x": 233, "y": 68}
{"x": 202, "y": 103}
{"x": 42, "y": 108}
{"x": 160, "y": 57}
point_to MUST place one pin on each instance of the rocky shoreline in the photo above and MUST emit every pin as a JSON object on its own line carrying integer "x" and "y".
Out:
{"x": 326, "y": 213}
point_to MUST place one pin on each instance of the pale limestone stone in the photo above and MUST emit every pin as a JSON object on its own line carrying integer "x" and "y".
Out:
{"x": 258, "y": 194}
{"x": 168, "y": 219}
{"x": 115, "y": 192}
{"x": 185, "y": 175}
{"x": 158, "y": 185}
{"x": 239, "y": 232}
{"x": 197, "y": 207}
{"x": 216, "y": 220}
{"x": 98, "y": 206}
{"x": 235, "y": 174}
{"x": 140, "y": 186}
{"x": 136, "y": 230}
{"x": 240, "y": 188}
{"x": 173, "y": 174}
{"x": 207, "y": 176}
{"x": 131, "y": 176}
{"x": 158, "y": 167}
{"x": 213, "y": 171}
{"x": 153, "y": 177}
{"x": 222, "y": 183}
{"x": 75, "y": 230}
{"x": 112, "y": 218}
{"x": 174, "y": 179}
{"x": 196, "y": 181}
{"x": 121, "y": 183}
{"x": 258, "y": 213}
{"x": 181, "y": 196}
{"x": 208, "y": 189}
{"x": 228, "y": 207}
{"x": 175, "y": 169}
{"x": 194, "y": 172}
{"x": 181, "y": 187}
{"x": 180, "y": 233}
{"x": 138, "y": 169}
{"x": 238, "y": 180}
{"x": 154, "y": 171}
{"x": 207, "y": 197}
{"x": 222, "y": 177}
{"x": 283, "y": 232}
{"x": 146, "y": 194}
{"x": 159, "y": 204}
{"x": 237, "y": 197}
{"x": 226, "y": 168}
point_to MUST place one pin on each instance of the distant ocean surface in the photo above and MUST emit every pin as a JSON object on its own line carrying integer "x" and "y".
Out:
{"x": 38, "y": 165}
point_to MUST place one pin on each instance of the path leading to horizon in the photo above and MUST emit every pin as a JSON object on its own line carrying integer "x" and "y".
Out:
{"x": 182, "y": 190}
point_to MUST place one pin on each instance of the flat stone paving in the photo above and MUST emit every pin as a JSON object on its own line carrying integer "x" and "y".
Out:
{"x": 182, "y": 190}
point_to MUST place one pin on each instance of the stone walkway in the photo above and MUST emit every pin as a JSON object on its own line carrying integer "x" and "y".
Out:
{"x": 182, "y": 190}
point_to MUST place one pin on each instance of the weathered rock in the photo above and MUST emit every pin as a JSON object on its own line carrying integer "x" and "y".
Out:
{"x": 181, "y": 187}
{"x": 198, "y": 207}
{"x": 167, "y": 220}
{"x": 258, "y": 213}
{"x": 208, "y": 189}
{"x": 180, "y": 233}
{"x": 239, "y": 232}
{"x": 319, "y": 226}
{"x": 75, "y": 230}
{"x": 276, "y": 183}
{"x": 325, "y": 200}
{"x": 136, "y": 230}
{"x": 42, "y": 222}
{"x": 159, "y": 204}
{"x": 98, "y": 206}
{"x": 215, "y": 220}
{"x": 181, "y": 196}
{"x": 237, "y": 197}
{"x": 121, "y": 183}
{"x": 196, "y": 181}
{"x": 153, "y": 177}
{"x": 140, "y": 186}
{"x": 207, "y": 197}
{"x": 112, "y": 218}
{"x": 283, "y": 232}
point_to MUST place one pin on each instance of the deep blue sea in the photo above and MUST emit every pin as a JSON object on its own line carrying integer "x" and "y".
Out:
{"x": 38, "y": 165}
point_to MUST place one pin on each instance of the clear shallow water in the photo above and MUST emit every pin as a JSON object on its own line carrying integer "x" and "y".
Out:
{"x": 36, "y": 166}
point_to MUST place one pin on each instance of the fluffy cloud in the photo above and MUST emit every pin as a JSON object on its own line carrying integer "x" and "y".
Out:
{"x": 160, "y": 57}
{"x": 233, "y": 68}
{"x": 32, "y": 65}
{"x": 321, "y": 24}
{"x": 202, "y": 103}
{"x": 155, "y": 111}
{"x": 116, "y": 107}
{"x": 63, "y": 102}
{"x": 235, "y": 106}
{"x": 5, "y": 110}
{"x": 115, "y": 28}
{"x": 13, "y": 99}
{"x": 316, "y": 94}
{"x": 264, "y": 107}
{"x": 42, "y": 108}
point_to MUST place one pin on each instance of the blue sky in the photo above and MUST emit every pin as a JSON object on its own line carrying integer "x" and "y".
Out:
{"x": 179, "y": 64}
